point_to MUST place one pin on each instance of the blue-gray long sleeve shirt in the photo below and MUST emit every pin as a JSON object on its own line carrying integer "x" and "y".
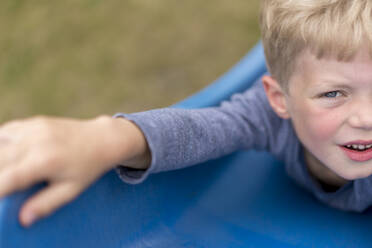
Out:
{"x": 178, "y": 138}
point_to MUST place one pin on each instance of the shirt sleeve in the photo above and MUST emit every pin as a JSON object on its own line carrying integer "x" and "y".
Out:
{"x": 178, "y": 138}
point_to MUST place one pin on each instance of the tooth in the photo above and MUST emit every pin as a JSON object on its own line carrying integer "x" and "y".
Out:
{"x": 348, "y": 146}
{"x": 368, "y": 146}
{"x": 361, "y": 147}
{"x": 355, "y": 146}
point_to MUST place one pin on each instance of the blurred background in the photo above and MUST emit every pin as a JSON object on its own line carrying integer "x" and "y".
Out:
{"x": 84, "y": 58}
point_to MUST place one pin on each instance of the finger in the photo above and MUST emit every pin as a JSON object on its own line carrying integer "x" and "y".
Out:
{"x": 47, "y": 201}
{"x": 17, "y": 178}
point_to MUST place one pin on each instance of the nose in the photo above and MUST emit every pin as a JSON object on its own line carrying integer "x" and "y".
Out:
{"x": 361, "y": 116}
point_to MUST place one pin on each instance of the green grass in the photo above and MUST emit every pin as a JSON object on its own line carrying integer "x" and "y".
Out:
{"x": 90, "y": 57}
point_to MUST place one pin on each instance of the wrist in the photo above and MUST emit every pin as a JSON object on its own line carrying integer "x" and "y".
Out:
{"x": 123, "y": 143}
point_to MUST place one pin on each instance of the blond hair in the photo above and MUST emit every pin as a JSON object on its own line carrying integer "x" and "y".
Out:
{"x": 329, "y": 28}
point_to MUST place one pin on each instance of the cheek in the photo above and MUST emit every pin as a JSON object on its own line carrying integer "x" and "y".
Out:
{"x": 316, "y": 125}
{"x": 322, "y": 127}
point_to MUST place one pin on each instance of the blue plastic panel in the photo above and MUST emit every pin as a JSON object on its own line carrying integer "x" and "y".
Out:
{"x": 241, "y": 200}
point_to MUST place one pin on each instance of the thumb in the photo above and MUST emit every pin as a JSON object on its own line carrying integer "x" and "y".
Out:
{"x": 47, "y": 201}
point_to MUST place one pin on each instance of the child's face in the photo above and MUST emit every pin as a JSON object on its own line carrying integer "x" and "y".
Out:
{"x": 330, "y": 104}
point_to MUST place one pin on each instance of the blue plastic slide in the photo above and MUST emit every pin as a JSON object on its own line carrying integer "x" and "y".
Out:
{"x": 242, "y": 200}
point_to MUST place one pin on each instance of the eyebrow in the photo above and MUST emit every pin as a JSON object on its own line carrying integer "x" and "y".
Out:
{"x": 332, "y": 84}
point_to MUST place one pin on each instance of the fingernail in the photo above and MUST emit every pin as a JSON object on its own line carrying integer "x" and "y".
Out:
{"x": 29, "y": 218}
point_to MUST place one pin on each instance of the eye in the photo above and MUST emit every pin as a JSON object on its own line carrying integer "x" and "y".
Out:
{"x": 331, "y": 94}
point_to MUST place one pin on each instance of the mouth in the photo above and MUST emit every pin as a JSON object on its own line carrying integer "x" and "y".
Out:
{"x": 356, "y": 147}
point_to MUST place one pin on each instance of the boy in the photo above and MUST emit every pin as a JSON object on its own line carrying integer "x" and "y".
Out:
{"x": 313, "y": 112}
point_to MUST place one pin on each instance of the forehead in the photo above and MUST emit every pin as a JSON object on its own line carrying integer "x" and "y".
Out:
{"x": 312, "y": 70}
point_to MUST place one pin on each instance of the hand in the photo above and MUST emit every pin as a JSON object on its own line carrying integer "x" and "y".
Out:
{"x": 69, "y": 154}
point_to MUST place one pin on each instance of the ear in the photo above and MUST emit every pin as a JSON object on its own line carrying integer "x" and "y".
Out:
{"x": 276, "y": 96}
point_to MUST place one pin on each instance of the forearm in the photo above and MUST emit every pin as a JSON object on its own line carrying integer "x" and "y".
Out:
{"x": 123, "y": 143}
{"x": 178, "y": 138}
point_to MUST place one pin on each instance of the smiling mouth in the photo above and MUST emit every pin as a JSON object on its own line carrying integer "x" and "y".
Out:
{"x": 358, "y": 148}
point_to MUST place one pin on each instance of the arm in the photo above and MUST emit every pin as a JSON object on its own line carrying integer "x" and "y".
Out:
{"x": 71, "y": 154}
{"x": 178, "y": 138}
